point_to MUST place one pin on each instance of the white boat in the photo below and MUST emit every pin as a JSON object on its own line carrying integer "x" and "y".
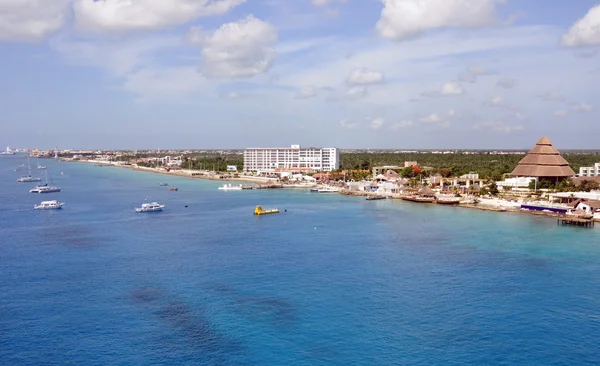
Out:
{"x": 29, "y": 178}
{"x": 45, "y": 188}
{"x": 229, "y": 187}
{"x": 150, "y": 207}
{"x": 41, "y": 167}
{"x": 8, "y": 151}
{"x": 49, "y": 205}
{"x": 325, "y": 189}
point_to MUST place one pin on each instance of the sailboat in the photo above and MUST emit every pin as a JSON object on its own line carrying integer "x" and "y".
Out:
{"x": 29, "y": 178}
{"x": 45, "y": 188}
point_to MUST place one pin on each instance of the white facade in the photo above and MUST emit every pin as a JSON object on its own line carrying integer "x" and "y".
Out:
{"x": 592, "y": 171}
{"x": 516, "y": 182}
{"x": 292, "y": 158}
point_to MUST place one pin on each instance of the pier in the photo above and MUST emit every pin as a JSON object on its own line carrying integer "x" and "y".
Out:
{"x": 575, "y": 221}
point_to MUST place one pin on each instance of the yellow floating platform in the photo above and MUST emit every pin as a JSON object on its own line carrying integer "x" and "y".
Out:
{"x": 260, "y": 211}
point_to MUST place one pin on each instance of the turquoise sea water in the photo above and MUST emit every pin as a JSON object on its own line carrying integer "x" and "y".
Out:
{"x": 333, "y": 281}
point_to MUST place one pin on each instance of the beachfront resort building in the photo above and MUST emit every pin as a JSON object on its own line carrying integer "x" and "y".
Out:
{"x": 590, "y": 171}
{"x": 543, "y": 162}
{"x": 294, "y": 158}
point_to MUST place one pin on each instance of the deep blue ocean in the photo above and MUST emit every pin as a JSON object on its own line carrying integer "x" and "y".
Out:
{"x": 335, "y": 280}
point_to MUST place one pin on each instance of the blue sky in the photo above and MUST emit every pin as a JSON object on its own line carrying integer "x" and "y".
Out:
{"x": 346, "y": 73}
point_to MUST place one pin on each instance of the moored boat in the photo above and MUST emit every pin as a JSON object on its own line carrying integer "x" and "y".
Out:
{"x": 45, "y": 188}
{"x": 173, "y": 189}
{"x": 29, "y": 178}
{"x": 230, "y": 187}
{"x": 260, "y": 211}
{"x": 150, "y": 207}
{"x": 49, "y": 205}
{"x": 373, "y": 198}
{"x": 163, "y": 184}
{"x": 447, "y": 200}
{"x": 325, "y": 189}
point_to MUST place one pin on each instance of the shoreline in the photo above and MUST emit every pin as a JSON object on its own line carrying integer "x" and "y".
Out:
{"x": 493, "y": 205}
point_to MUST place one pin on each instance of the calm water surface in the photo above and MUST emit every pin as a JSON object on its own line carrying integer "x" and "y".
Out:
{"x": 333, "y": 281}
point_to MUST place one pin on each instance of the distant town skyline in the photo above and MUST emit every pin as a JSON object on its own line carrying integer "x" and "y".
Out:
{"x": 356, "y": 74}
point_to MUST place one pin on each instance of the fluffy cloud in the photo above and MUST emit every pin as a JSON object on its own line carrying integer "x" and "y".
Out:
{"x": 497, "y": 126}
{"x": 432, "y": 118}
{"x": 127, "y": 15}
{"x": 582, "y": 107}
{"x": 448, "y": 89}
{"x": 364, "y": 76}
{"x": 345, "y": 123}
{"x": 507, "y": 83}
{"x": 306, "y": 92}
{"x": 586, "y": 31}
{"x": 239, "y": 49}
{"x": 404, "y": 19}
{"x": 376, "y": 123}
{"x": 401, "y": 125}
{"x": 31, "y": 20}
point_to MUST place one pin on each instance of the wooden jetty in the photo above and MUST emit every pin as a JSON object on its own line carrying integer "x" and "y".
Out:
{"x": 575, "y": 221}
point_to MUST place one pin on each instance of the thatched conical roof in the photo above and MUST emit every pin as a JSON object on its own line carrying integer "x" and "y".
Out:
{"x": 543, "y": 161}
{"x": 426, "y": 191}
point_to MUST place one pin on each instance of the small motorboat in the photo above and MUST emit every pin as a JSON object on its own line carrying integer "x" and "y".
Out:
{"x": 164, "y": 184}
{"x": 150, "y": 207}
{"x": 230, "y": 187}
{"x": 260, "y": 211}
{"x": 173, "y": 189}
{"x": 374, "y": 198}
{"x": 41, "y": 167}
{"x": 49, "y": 205}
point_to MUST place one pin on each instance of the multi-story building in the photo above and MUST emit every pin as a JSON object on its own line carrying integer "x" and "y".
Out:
{"x": 591, "y": 171}
{"x": 291, "y": 158}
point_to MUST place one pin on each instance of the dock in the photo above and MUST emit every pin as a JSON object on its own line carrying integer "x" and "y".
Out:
{"x": 575, "y": 221}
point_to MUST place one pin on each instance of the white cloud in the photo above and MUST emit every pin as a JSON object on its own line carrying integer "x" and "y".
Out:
{"x": 306, "y": 92}
{"x": 31, "y": 20}
{"x": 376, "y": 123}
{"x": 164, "y": 83}
{"x": 364, "y": 76}
{"x": 432, "y": 118}
{"x": 507, "y": 83}
{"x": 472, "y": 74}
{"x": 452, "y": 89}
{"x": 127, "y": 15}
{"x": 451, "y": 113}
{"x": 239, "y": 49}
{"x": 352, "y": 93}
{"x": 561, "y": 113}
{"x": 552, "y": 97}
{"x": 447, "y": 90}
{"x": 345, "y": 123}
{"x": 401, "y": 125}
{"x": 497, "y": 126}
{"x": 586, "y": 31}
{"x": 119, "y": 58}
{"x": 520, "y": 116}
{"x": 404, "y": 19}
{"x": 582, "y": 107}
{"x": 326, "y": 2}
{"x": 230, "y": 95}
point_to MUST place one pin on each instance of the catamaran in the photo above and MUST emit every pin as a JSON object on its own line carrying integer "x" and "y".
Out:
{"x": 45, "y": 188}
{"x": 29, "y": 178}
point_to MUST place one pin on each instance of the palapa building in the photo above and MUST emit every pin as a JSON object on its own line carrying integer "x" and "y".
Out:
{"x": 544, "y": 163}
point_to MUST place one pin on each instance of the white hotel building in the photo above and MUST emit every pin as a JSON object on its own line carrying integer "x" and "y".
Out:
{"x": 591, "y": 171}
{"x": 294, "y": 158}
